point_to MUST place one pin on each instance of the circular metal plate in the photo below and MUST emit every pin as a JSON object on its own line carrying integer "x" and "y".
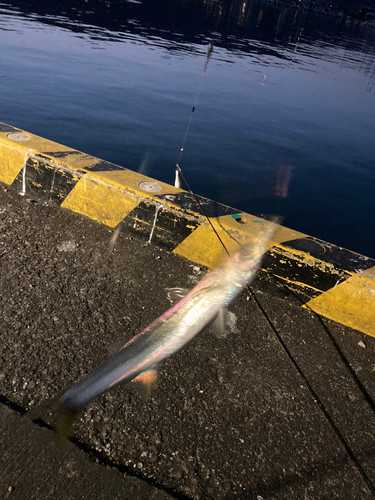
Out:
{"x": 19, "y": 137}
{"x": 150, "y": 187}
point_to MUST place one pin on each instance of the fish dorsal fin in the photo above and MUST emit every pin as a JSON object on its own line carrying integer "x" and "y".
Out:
{"x": 174, "y": 295}
{"x": 219, "y": 323}
{"x": 145, "y": 382}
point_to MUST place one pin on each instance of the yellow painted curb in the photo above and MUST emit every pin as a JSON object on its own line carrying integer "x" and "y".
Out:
{"x": 350, "y": 303}
{"x": 331, "y": 281}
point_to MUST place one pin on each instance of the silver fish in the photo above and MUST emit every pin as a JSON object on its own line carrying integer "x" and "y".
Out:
{"x": 137, "y": 360}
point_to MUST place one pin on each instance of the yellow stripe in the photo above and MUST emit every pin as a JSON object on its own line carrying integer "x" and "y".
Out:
{"x": 108, "y": 197}
{"x": 14, "y": 154}
{"x": 12, "y": 162}
{"x": 129, "y": 180}
{"x": 351, "y": 303}
{"x": 34, "y": 145}
{"x": 99, "y": 201}
{"x": 204, "y": 247}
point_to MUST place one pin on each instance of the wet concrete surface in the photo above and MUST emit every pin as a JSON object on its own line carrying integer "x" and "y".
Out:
{"x": 231, "y": 417}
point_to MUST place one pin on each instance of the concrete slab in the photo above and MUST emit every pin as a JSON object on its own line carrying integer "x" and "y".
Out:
{"x": 30, "y": 468}
{"x": 231, "y": 416}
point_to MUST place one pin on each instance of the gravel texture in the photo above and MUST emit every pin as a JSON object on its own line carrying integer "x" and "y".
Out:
{"x": 230, "y": 416}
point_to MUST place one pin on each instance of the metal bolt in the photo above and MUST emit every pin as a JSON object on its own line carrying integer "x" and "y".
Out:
{"x": 150, "y": 187}
{"x": 19, "y": 137}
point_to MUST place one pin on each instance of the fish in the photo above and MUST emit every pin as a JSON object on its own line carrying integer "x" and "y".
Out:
{"x": 205, "y": 305}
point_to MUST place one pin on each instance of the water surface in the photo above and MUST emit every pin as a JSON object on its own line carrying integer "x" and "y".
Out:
{"x": 284, "y": 118}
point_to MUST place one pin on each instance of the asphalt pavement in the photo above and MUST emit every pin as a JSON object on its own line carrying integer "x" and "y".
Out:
{"x": 281, "y": 406}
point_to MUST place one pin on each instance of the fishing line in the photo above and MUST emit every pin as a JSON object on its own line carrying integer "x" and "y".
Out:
{"x": 210, "y": 49}
{"x": 315, "y": 397}
{"x": 345, "y": 361}
{"x": 202, "y": 210}
{"x": 179, "y": 172}
{"x": 289, "y": 355}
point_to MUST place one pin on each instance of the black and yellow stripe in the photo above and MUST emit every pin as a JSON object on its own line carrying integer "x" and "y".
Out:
{"x": 331, "y": 281}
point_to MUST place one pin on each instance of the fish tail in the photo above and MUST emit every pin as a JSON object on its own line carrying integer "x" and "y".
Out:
{"x": 65, "y": 418}
{"x": 57, "y": 416}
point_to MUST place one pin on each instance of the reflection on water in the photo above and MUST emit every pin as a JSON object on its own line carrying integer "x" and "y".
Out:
{"x": 284, "y": 113}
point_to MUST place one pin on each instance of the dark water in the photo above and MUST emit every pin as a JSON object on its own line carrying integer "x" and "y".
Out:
{"x": 285, "y": 116}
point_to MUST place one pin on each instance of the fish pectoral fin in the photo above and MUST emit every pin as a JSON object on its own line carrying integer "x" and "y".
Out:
{"x": 145, "y": 382}
{"x": 174, "y": 295}
{"x": 219, "y": 323}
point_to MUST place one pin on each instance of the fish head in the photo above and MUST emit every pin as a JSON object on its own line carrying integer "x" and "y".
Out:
{"x": 246, "y": 260}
